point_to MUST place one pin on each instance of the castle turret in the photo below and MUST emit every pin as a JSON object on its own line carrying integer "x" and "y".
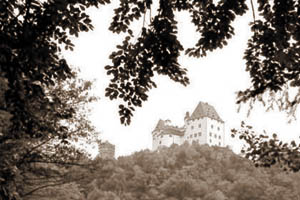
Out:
{"x": 206, "y": 126}
{"x": 187, "y": 116}
{"x": 106, "y": 149}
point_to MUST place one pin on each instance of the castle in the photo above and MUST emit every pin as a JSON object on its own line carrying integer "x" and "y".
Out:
{"x": 106, "y": 149}
{"x": 204, "y": 126}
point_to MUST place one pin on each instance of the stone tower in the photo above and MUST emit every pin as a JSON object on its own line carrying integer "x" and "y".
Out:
{"x": 106, "y": 149}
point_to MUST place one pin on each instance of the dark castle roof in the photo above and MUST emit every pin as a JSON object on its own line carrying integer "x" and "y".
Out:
{"x": 160, "y": 125}
{"x": 205, "y": 110}
{"x": 167, "y": 129}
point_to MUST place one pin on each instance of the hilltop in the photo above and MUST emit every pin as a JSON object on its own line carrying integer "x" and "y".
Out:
{"x": 189, "y": 172}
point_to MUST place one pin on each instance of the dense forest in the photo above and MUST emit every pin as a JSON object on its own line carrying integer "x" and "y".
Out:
{"x": 186, "y": 172}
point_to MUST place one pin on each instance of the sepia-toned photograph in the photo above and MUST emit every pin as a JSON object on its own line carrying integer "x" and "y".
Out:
{"x": 149, "y": 100}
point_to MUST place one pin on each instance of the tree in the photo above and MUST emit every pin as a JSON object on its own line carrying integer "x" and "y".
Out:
{"x": 272, "y": 55}
{"x": 267, "y": 151}
{"x": 35, "y": 161}
{"x": 180, "y": 185}
{"x": 98, "y": 195}
{"x": 45, "y": 162}
{"x": 57, "y": 155}
{"x": 68, "y": 191}
{"x": 32, "y": 33}
{"x": 229, "y": 176}
{"x": 217, "y": 195}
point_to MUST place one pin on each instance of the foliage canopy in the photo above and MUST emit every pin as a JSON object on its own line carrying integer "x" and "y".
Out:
{"x": 33, "y": 110}
{"x": 267, "y": 151}
{"x": 272, "y": 55}
{"x": 189, "y": 172}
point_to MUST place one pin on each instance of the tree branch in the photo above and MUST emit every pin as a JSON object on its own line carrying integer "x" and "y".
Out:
{"x": 31, "y": 150}
{"x": 253, "y": 12}
{"x": 49, "y": 185}
{"x": 42, "y": 187}
{"x": 59, "y": 163}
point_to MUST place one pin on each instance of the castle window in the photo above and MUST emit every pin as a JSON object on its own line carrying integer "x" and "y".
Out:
{"x": 210, "y": 140}
{"x": 215, "y": 135}
{"x": 192, "y": 127}
{"x": 212, "y": 126}
{"x": 219, "y": 137}
{"x": 199, "y": 125}
{"x": 195, "y": 135}
{"x": 210, "y": 134}
{"x": 219, "y": 143}
{"x": 218, "y": 128}
{"x": 159, "y": 142}
{"x": 170, "y": 135}
{"x": 199, "y": 133}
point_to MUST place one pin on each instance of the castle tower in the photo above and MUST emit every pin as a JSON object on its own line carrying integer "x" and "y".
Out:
{"x": 106, "y": 149}
{"x": 205, "y": 126}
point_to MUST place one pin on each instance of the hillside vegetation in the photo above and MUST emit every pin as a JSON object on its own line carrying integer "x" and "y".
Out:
{"x": 188, "y": 172}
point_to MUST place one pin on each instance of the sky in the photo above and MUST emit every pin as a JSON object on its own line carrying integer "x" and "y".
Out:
{"x": 214, "y": 79}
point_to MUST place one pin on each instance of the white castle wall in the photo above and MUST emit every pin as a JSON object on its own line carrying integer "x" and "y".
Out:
{"x": 215, "y": 132}
{"x": 155, "y": 140}
{"x": 203, "y": 131}
{"x": 160, "y": 139}
{"x": 196, "y": 131}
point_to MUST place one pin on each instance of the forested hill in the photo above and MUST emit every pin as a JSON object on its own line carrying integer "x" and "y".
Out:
{"x": 189, "y": 172}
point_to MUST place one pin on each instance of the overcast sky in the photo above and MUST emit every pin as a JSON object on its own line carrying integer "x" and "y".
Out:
{"x": 214, "y": 79}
